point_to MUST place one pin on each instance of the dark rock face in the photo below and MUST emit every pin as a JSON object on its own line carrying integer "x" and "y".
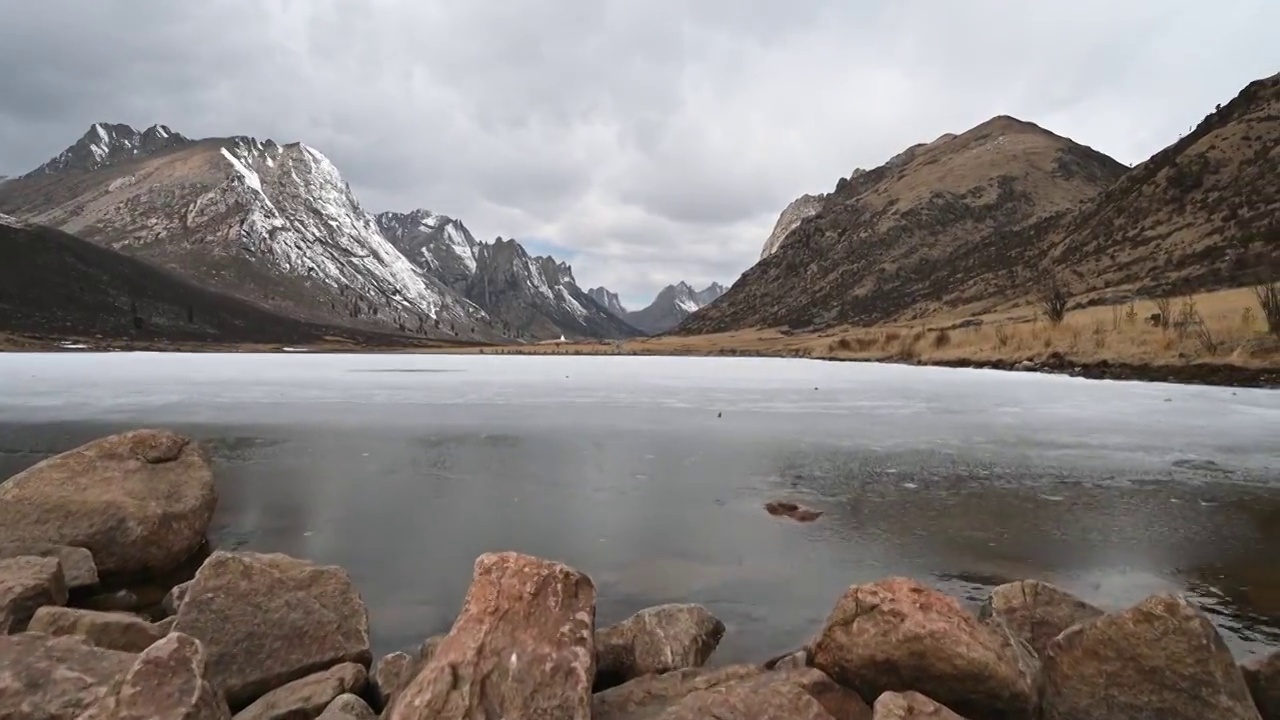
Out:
{"x": 608, "y": 300}
{"x": 268, "y": 619}
{"x": 521, "y": 647}
{"x": 109, "y": 143}
{"x": 1159, "y": 659}
{"x": 656, "y": 640}
{"x": 140, "y": 501}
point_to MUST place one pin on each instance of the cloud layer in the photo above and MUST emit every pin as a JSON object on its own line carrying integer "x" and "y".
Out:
{"x": 645, "y": 143}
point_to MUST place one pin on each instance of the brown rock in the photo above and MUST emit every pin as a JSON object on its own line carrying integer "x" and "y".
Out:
{"x": 1037, "y": 612}
{"x": 140, "y": 502}
{"x": 308, "y": 697}
{"x": 47, "y": 678}
{"x": 1263, "y": 678}
{"x": 910, "y": 705}
{"x": 267, "y": 620}
{"x": 654, "y": 641}
{"x": 770, "y": 696}
{"x": 173, "y": 599}
{"x": 793, "y": 660}
{"x": 78, "y": 569}
{"x": 1159, "y": 659}
{"x": 429, "y": 647}
{"x": 897, "y": 635}
{"x": 110, "y": 631}
{"x": 347, "y": 707}
{"x": 522, "y": 647}
{"x": 167, "y": 681}
{"x": 794, "y": 511}
{"x": 391, "y": 675}
{"x": 27, "y": 584}
{"x": 165, "y": 626}
{"x": 649, "y": 696}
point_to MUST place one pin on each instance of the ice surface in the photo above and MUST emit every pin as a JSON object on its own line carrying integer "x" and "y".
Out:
{"x": 854, "y": 404}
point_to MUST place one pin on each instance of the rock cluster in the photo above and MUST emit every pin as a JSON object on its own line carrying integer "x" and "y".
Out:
{"x": 267, "y": 637}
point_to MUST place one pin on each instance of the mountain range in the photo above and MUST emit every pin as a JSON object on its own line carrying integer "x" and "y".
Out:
{"x": 974, "y": 222}
{"x": 673, "y": 304}
{"x": 277, "y": 226}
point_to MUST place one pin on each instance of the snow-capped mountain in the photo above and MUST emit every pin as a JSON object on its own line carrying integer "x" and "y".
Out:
{"x": 672, "y": 305}
{"x": 608, "y": 300}
{"x": 528, "y": 297}
{"x": 272, "y": 223}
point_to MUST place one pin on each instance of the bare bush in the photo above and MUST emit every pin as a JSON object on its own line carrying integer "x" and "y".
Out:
{"x": 1131, "y": 314}
{"x": 1269, "y": 300}
{"x": 1205, "y": 338}
{"x": 1164, "y": 306}
{"x": 844, "y": 343}
{"x": 1002, "y": 336}
{"x": 1099, "y": 335}
{"x": 941, "y": 339}
{"x": 1052, "y": 297}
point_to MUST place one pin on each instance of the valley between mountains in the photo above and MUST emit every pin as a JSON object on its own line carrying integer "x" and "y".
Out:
{"x": 1004, "y": 245}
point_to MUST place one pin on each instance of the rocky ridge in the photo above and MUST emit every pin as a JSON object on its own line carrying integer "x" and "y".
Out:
{"x": 672, "y": 305}
{"x": 271, "y": 636}
{"x": 529, "y": 297}
{"x": 608, "y": 300}
{"x": 974, "y": 222}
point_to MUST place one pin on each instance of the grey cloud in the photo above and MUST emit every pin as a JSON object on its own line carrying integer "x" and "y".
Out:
{"x": 650, "y": 142}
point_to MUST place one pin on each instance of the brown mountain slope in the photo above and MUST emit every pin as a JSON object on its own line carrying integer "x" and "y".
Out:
{"x": 1202, "y": 214}
{"x": 931, "y": 228}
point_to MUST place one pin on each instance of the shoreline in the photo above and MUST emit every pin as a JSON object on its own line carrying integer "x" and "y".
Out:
{"x": 1216, "y": 374}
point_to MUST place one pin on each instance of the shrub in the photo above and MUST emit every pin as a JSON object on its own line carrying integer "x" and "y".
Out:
{"x": 941, "y": 339}
{"x": 1052, "y": 297}
{"x": 1002, "y": 336}
{"x": 1269, "y": 300}
{"x": 1164, "y": 306}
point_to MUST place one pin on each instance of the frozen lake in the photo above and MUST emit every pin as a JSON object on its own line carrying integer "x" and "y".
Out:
{"x": 650, "y": 473}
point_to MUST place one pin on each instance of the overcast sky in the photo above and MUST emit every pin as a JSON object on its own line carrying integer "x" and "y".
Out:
{"x": 643, "y": 141}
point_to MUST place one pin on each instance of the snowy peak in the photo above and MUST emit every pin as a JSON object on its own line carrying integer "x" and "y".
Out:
{"x": 672, "y": 305}
{"x": 437, "y": 244}
{"x": 608, "y": 300}
{"x": 109, "y": 143}
{"x": 709, "y": 294}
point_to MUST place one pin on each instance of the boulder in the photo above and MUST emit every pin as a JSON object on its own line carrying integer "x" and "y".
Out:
{"x": 348, "y": 707}
{"x": 522, "y": 647}
{"x": 111, "y": 631}
{"x": 649, "y": 696}
{"x": 1159, "y": 659}
{"x": 27, "y": 584}
{"x": 168, "y": 680}
{"x": 391, "y": 675}
{"x": 78, "y": 568}
{"x": 898, "y": 635}
{"x": 788, "y": 695}
{"x": 269, "y": 619}
{"x": 308, "y": 697}
{"x": 48, "y": 678}
{"x": 1263, "y": 678}
{"x": 910, "y": 705}
{"x": 140, "y": 502}
{"x": 654, "y": 641}
{"x": 1037, "y": 612}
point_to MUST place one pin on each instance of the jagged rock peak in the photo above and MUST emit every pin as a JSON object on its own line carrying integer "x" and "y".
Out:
{"x": 107, "y": 143}
{"x": 608, "y": 300}
{"x": 800, "y": 209}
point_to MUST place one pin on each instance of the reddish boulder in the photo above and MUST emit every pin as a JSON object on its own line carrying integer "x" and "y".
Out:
{"x": 168, "y": 681}
{"x": 1037, "y": 612}
{"x": 26, "y": 585}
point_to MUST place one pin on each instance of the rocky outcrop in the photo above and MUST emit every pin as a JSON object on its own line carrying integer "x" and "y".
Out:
{"x": 140, "y": 502}
{"x": 1037, "y": 612}
{"x": 269, "y": 619}
{"x": 168, "y": 680}
{"x": 26, "y": 585}
{"x": 896, "y": 635}
{"x": 799, "y": 210}
{"x": 1160, "y": 659}
{"x": 48, "y": 678}
{"x": 107, "y": 630}
{"x": 656, "y": 640}
{"x": 521, "y": 647}
{"x": 308, "y": 697}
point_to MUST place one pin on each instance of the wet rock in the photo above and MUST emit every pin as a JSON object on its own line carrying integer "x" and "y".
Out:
{"x": 168, "y": 680}
{"x": 308, "y": 697}
{"x": 898, "y": 635}
{"x": 1159, "y": 659}
{"x": 347, "y": 707}
{"x": 521, "y": 647}
{"x": 910, "y": 706}
{"x": 78, "y": 569}
{"x": 654, "y": 641}
{"x": 1263, "y": 678}
{"x": 269, "y": 619}
{"x": 27, "y": 584}
{"x": 1037, "y": 612}
{"x": 391, "y": 675}
{"x": 649, "y": 696}
{"x": 48, "y": 678}
{"x": 173, "y": 599}
{"x": 111, "y": 631}
{"x": 794, "y": 511}
{"x": 140, "y": 502}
